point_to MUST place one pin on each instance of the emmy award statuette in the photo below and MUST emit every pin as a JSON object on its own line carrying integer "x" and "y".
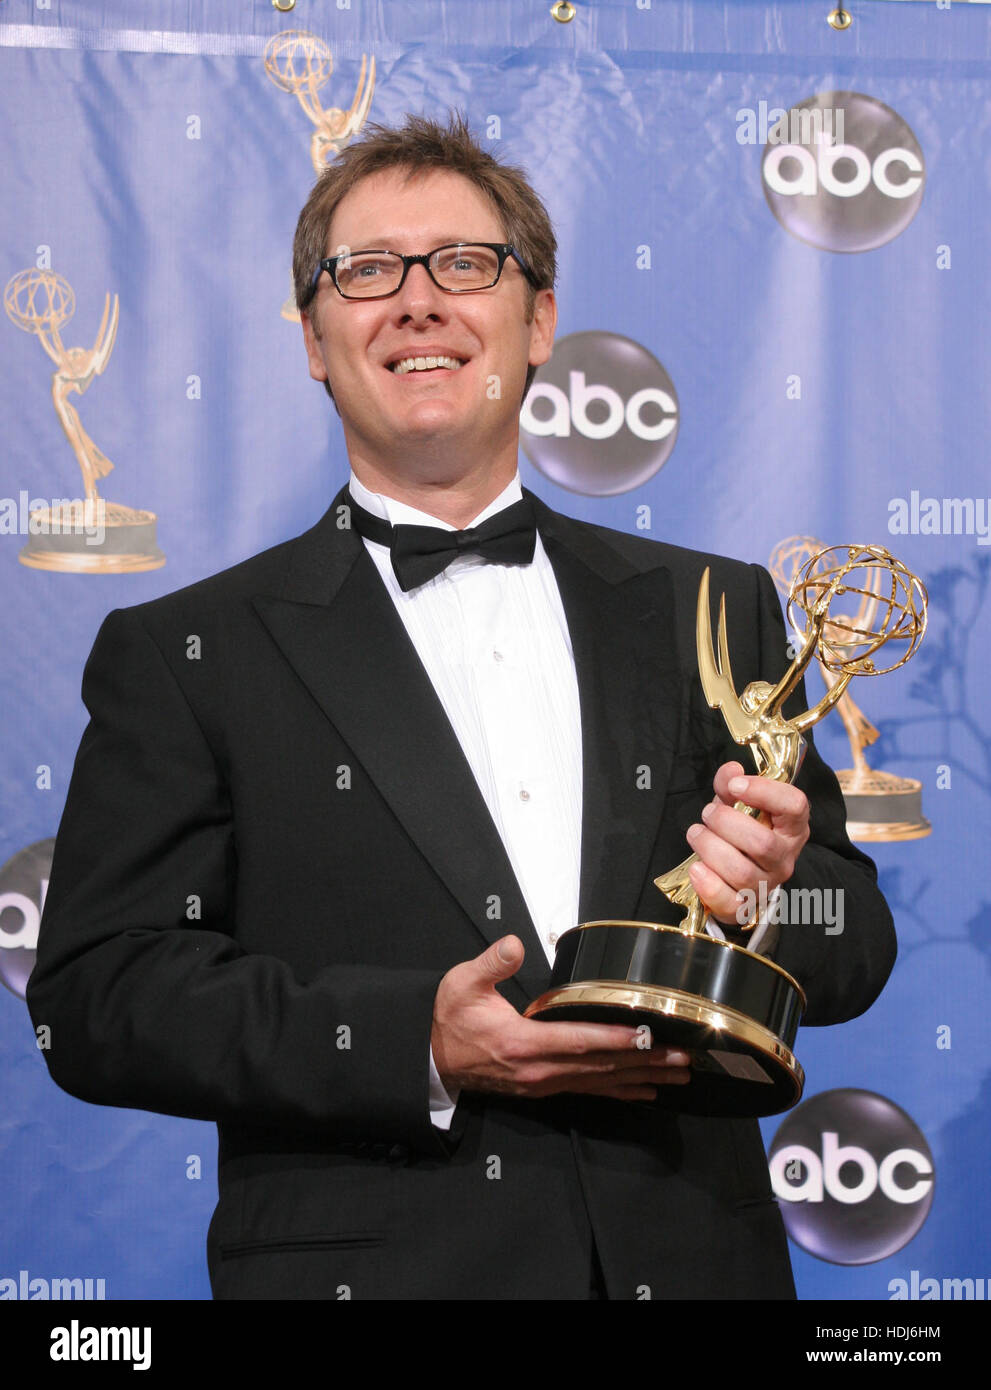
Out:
{"x": 85, "y": 535}
{"x": 879, "y": 805}
{"x": 300, "y": 63}
{"x": 735, "y": 1011}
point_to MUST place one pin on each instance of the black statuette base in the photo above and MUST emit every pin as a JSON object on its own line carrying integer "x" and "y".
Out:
{"x": 737, "y": 1013}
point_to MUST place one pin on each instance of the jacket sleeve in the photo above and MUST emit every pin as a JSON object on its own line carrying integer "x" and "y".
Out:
{"x": 151, "y": 1002}
{"x": 843, "y": 964}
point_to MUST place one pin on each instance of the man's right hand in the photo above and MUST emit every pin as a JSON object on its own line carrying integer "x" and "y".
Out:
{"x": 480, "y": 1042}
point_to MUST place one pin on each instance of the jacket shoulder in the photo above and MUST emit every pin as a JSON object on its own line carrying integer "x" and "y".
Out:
{"x": 643, "y": 553}
{"x": 232, "y": 589}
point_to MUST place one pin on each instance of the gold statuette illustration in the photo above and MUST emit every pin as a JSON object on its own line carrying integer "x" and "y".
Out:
{"x": 880, "y": 805}
{"x": 87, "y": 535}
{"x": 735, "y": 1011}
{"x": 301, "y": 63}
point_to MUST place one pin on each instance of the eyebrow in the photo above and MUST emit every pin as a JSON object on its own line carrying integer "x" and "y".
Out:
{"x": 383, "y": 243}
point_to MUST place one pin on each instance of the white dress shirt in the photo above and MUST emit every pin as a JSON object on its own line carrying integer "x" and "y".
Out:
{"x": 494, "y": 642}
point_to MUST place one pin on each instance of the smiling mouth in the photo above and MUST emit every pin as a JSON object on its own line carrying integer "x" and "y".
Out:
{"x": 406, "y": 365}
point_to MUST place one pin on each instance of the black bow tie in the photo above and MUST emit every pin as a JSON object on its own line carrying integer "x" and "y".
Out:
{"x": 419, "y": 553}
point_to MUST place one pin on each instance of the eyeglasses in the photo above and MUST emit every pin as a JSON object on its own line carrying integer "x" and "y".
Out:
{"x": 460, "y": 268}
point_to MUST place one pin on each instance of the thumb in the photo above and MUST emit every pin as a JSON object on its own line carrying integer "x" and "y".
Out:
{"x": 502, "y": 959}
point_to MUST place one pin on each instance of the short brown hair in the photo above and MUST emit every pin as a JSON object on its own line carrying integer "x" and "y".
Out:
{"x": 420, "y": 145}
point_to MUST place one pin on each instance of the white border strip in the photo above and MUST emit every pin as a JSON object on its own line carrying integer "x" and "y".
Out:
{"x": 131, "y": 40}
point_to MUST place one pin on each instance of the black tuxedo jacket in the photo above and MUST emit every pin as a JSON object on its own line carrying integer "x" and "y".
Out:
{"x": 272, "y": 850}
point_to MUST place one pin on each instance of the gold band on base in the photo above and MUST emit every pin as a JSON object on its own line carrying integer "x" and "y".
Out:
{"x": 674, "y": 1003}
{"x": 76, "y": 563}
{"x": 893, "y": 830}
{"x": 724, "y": 1024}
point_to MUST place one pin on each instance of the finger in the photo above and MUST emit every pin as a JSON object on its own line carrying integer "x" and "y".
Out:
{"x": 720, "y": 899}
{"x": 658, "y": 1060}
{"x": 612, "y": 1068}
{"x": 658, "y": 1056}
{"x": 656, "y": 1076}
{"x": 722, "y": 779}
{"x": 758, "y": 843}
{"x": 599, "y": 1071}
{"x": 787, "y": 805}
{"x": 601, "y": 1086}
{"x": 595, "y": 1062}
{"x": 568, "y": 1040}
{"x": 733, "y": 867}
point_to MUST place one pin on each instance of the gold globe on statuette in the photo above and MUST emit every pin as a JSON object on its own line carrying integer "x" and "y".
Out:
{"x": 880, "y": 806}
{"x": 88, "y": 534}
{"x": 734, "y": 1010}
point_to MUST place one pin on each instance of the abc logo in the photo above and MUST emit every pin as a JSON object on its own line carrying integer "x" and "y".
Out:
{"x": 602, "y": 415}
{"x": 854, "y": 1176}
{"x": 23, "y": 885}
{"x": 853, "y": 180}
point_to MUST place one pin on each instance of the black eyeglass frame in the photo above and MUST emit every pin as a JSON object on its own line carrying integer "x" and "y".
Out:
{"x": 502, "y": 249}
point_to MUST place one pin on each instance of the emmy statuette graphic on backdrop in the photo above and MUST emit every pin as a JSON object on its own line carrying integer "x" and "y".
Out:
{"x": 735, "y": 1010}
{"x": 300, "y": 63}
{"x": 879, "y": 805}
{"x": 66, "y": 537}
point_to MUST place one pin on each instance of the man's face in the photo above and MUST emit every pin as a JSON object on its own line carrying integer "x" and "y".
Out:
{"x": 441, "y": 414}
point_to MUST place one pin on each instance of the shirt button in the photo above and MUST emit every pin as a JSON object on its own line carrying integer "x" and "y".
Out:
{"x": 496, "y": 655}
{"x": 552, "y": 938}
{"x": 524, "y": 794}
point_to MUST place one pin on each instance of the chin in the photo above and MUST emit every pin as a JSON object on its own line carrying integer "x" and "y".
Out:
{"x": 434, "y": 417}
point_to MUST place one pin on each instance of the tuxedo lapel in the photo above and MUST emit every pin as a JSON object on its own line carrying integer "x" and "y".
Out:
{"x": 622, "y": 631}
{"x": 338, "y": 628}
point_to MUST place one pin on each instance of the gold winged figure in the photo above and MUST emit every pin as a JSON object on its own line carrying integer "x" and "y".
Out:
{"x": 754, "y": 720}
{"x": 76, "y": 368}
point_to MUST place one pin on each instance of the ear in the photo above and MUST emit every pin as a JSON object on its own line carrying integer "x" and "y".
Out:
{"x": 318, "y": 369}
{"x": 542, "y": 328}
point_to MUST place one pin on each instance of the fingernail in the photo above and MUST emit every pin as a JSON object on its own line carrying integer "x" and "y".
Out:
{"x": 738, "y": 785}
{"x": 707, "y": 811}
{"x": 693, "y": 832}
{"x": 678, "y": 1059}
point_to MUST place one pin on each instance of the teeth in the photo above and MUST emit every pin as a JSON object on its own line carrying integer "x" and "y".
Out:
{"x": 424, "y": 364}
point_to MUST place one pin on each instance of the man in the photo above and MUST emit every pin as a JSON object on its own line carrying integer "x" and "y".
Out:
{"x": 307, "y": 881}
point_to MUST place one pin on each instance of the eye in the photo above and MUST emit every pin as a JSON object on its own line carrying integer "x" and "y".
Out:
{"x": 363, "y": 269}
{"x": 460, "y": 260}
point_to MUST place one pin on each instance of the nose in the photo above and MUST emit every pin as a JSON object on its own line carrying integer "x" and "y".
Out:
{"x": 419, "y": 296}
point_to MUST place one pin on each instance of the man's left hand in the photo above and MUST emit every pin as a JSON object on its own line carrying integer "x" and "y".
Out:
{"x": 737, "y": 851}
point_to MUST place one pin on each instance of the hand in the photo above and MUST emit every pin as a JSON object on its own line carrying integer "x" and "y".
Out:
{"x": 480, "y": 1042}
{"x": 737, "y": 851}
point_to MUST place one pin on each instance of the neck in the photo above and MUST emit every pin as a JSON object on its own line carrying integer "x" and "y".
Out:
{"x": 456, "y": 499}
